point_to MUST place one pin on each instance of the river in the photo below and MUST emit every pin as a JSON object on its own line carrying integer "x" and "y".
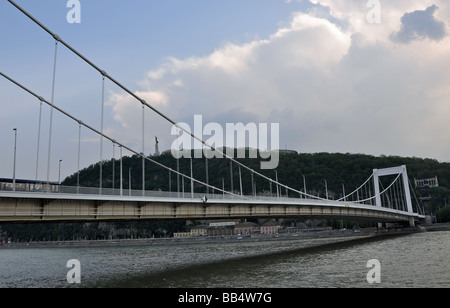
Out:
{"x": 412, "y": 260}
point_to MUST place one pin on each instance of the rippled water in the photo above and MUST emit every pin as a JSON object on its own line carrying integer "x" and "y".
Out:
{"x": 415, "y": 260}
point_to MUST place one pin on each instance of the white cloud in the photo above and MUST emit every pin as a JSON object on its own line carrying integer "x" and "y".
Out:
{"x": 122, "y": 104}
{"x": 331, "y": 87}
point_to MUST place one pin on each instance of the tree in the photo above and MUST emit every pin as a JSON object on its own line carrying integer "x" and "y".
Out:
{"x": 443, "y": 215}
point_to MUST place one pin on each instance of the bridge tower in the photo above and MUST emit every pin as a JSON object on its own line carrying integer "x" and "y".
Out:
{"x": 377, "y": 173}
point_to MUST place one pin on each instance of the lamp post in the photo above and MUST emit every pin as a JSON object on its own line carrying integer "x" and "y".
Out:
{"x": 15, "y": 156}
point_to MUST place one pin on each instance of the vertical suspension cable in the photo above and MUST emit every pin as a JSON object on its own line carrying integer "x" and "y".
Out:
{"x": 143, "y": 150}
{"x": 419, "y": 209}
{"x": 366, "y": 194}
{"x": 192, "y": 181}
{"x": 79, "y": 154}
{"x": 121, "y": 171}
{"x": 384, "y": 198}
{"x": 400, "y": 194}
{"x": 38, "y": 141}
{"x": 231, "y": 176}
{"x": 178, "y": 177}
{"x": 51, "y": 116}
{"x": 278, "y": 188}
{"x": 101, "y": 136}
{"x": 253, "y": 185}
{"x": 240, "y": 181}
{"x": 178, "y": 169}
{"x": 182, "y": 184}
{"x": 403, "y": 194}
{"x": 207, "y": 175}
{"x": 396, "y": 195}
{"x": 114, "y": 169}
{"x": 170, "y": 183}
{"x": 391, "y": 200}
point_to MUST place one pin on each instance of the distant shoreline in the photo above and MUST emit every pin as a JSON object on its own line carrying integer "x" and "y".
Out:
{"x": 445, "y": 226}
{"x": 369, "y": 232}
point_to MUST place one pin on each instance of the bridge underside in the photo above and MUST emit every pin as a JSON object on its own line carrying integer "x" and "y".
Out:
{"x": 45, "y": 210}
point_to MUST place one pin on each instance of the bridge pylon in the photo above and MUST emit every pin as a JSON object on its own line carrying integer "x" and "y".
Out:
{"x": 401, "y": 170}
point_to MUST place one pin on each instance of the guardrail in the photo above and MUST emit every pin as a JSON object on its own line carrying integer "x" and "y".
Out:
{"x": 73, "y": 190}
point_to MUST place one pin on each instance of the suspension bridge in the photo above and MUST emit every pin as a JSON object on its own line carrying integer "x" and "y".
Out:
{"x": 24, "y": 201}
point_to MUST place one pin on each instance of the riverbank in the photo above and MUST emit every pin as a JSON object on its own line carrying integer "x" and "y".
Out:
{"x": 438, "y": 227}
{"x": 339, "y": 234}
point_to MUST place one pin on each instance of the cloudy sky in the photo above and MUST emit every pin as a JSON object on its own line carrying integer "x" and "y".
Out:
{"x": 338, "y": 75}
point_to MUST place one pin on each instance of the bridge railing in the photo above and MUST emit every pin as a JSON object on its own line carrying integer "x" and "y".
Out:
{"x": 161, "y": 194}
{"x": 117, "y": 192}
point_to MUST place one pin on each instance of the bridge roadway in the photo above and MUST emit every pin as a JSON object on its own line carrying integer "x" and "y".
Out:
{"x": 29, "y": 207}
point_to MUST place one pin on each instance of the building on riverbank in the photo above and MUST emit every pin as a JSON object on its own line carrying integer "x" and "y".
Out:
{"x": 271, "y": 227}
{"x": 230, "y": 228}
{"x": 247, "y": 228}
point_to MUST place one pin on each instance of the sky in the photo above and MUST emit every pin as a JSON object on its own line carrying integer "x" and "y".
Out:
{"x": 350, "y": 76}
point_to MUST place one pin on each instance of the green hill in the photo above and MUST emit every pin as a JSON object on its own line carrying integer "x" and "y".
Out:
{"x": 337, "y": 169}
{"x": 348, "y": 169}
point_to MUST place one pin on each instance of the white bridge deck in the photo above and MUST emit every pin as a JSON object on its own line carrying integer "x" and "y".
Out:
{"x": 21, "y": 207}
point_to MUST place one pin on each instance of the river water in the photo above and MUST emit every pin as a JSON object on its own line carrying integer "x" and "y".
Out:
{"x": 413, "y": 260}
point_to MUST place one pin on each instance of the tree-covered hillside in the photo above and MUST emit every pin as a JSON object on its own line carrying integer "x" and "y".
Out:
{"x": 337, "y": 169}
